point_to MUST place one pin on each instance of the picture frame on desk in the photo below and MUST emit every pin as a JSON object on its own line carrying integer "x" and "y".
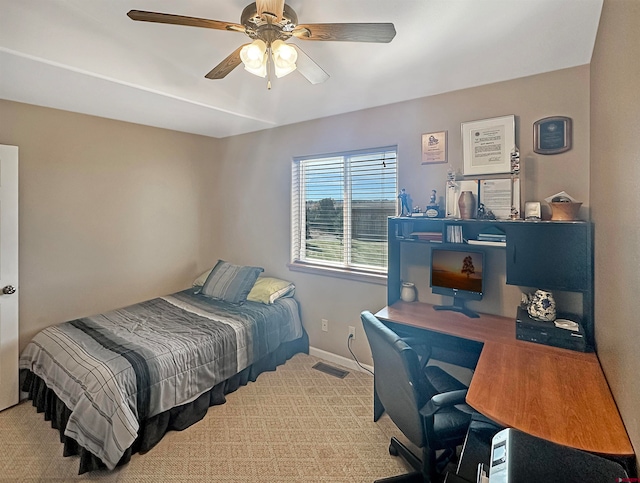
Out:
{"x": 500, "y": 196}
{"x": 454, "y": 189}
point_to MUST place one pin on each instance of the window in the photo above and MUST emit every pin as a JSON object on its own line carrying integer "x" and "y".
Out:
{"x": 340, "y": 205}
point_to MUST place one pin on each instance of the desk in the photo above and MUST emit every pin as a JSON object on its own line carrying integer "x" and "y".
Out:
{"x": 556, "y": 394}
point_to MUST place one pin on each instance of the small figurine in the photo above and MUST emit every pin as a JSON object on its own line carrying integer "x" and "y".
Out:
{"x": 433, "y": 210}
{"x": 515, "y": 161}
{"x": 405, "y": 210}
{"x": 484, "y": 214}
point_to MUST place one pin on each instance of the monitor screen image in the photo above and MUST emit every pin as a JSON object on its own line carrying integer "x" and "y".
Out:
{"x": 457, "y": 272}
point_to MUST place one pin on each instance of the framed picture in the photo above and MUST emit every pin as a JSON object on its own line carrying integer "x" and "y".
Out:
{"x": 454, "y": 189}
{"x": 501, "y": 197}
{"x": 552, "y": 135}
{"x": 487, "y": 145}
{"x": 434, "y": 147}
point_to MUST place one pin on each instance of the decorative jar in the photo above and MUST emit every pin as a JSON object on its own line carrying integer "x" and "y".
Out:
{"x": 408, "y": 292}
{"x": 542, "y": 306}
{"x": 565, "y": 210}
{"x": 467, "y": 205}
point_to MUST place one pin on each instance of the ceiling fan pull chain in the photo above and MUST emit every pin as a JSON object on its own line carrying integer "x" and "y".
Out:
{"x": 269, "y": 68}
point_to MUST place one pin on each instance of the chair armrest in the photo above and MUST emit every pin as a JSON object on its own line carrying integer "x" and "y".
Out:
{"x": 450, "y": 398}
{"x": 443, "y": 400}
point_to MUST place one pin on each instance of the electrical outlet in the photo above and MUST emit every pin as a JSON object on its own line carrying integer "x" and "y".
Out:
{"x": 325, "y": 325}
{"x": 352, "y": 332}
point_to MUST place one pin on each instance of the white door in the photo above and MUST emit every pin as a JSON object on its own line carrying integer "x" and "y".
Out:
{"x": 8, "y": 276}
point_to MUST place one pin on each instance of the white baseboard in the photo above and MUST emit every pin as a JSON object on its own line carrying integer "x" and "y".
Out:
{"x": 336, "y": 359}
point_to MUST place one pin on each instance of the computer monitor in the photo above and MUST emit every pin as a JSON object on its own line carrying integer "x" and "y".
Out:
{"x": 457, "y": 271}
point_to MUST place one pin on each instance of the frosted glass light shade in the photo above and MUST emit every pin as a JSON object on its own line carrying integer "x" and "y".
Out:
{"x": 254, "y": 57}
{"x": 284, "y": 58}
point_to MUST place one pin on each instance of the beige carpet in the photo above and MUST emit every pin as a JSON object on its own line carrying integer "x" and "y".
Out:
{"x": 292, "y": 425}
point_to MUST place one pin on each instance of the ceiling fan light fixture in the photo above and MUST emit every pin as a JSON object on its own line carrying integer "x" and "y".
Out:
{"x": 284, "y": 58}
{"x": 270, "y": 23}
{"x": 254, "y": 58}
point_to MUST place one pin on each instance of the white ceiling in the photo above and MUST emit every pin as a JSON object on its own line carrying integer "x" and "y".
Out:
{"x": 87, "y": 56}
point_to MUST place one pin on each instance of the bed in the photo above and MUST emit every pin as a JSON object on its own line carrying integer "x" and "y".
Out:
{"x": 114, "y": 383}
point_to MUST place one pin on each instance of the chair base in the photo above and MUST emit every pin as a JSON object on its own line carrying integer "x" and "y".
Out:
{"x": 396, "y": 448}
{"x": 420, "y": 472}
{"x": 413, "y": 477}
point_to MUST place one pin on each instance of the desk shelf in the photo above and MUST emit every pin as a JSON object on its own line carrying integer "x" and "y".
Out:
{"x": 552, "y": 255}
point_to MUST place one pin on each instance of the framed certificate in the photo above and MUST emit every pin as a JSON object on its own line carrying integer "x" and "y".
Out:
{"x": 434, "y": 147}
{"x": 552, "y": 135}
{"x": 487, "y": 145}
{"x": 501, "y": 197}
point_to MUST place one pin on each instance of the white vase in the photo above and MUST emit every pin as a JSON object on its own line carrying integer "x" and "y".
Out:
{"x": 408, "y": 292}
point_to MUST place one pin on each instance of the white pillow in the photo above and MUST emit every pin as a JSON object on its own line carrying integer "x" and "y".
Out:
{"x": 199, "y": 282}
{"x": 269, "y": 289}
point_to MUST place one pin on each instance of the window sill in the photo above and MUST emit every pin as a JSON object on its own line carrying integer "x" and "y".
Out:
{"x": 357, "y": 275}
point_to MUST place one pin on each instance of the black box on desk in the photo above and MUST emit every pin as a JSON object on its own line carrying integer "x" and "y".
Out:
{"x": 532, "y": 330}
{"x": 518, "y": 457}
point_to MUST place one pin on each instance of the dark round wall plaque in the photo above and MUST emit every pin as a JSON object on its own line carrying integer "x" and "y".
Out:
{"x": 552, "y": 135}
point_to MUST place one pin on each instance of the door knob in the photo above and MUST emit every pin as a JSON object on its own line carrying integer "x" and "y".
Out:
{"x": 8, "y": 289}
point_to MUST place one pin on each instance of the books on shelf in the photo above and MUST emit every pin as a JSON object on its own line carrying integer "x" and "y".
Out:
{"x": 454, "y": 234}
{"x": 488, "y": 243}
{"x": 492, "y": 234}
{"x": 492, "y": 238}
{"x": 433, "y": 236}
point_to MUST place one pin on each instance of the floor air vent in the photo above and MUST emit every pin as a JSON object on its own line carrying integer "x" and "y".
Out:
{"x": 332, "y": 371}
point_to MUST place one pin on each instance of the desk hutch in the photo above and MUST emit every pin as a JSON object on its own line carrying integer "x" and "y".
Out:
{"x": 551, "y": 255}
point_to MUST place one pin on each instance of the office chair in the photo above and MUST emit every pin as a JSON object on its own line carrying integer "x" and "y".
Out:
{"x": 424, "y": 402}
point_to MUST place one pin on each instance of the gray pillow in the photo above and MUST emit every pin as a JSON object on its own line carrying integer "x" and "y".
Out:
{"x": 231, "y": 283}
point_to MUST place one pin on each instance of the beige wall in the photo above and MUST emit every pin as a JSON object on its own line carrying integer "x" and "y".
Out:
{"x": 254, "y": 176}
{"x": 111, "y": 213}
{"x": 615, "y": 198}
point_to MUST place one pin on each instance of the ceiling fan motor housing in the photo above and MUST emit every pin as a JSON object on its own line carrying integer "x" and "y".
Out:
{"x": 264, "y": 27}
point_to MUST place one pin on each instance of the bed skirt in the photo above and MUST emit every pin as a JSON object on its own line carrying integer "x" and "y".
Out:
{"x": 153, "y": 429}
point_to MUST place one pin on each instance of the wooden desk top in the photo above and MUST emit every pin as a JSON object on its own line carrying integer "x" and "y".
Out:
{"x": 556, "y": 394}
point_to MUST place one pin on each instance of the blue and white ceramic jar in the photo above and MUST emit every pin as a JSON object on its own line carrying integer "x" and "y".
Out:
{"x": 542, "y": 306}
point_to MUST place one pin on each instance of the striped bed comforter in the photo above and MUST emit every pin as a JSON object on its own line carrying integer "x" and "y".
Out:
{"x": 116, "y": 369}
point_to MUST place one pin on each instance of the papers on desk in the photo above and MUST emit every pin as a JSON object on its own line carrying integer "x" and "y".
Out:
{"x": 566, "y": 324}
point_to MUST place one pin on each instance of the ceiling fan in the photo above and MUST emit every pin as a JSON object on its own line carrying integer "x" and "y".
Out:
{"x": 271, "y": 23}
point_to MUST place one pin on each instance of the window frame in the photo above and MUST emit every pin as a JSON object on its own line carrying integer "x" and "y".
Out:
{"x": 298, "y": 219}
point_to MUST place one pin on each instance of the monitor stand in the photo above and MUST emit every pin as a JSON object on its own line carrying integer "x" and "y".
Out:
{"x": 458, "y": 306}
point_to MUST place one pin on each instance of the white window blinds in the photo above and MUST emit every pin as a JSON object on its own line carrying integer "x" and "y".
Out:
{"x": 340, "y": 205}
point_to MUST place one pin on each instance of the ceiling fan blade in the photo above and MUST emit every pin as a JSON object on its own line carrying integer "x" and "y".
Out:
{"x": 181, "y": 20}
{"x": 346, "y": 32}
{"x": 308, "y": 68}
{"x": 227, "y": 65}
{"x": 271, "y": 7}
